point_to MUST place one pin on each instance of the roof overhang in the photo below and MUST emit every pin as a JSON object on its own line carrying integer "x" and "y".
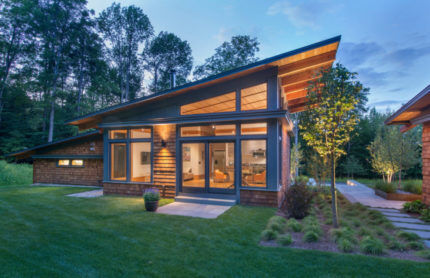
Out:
{"x": 295, "y": 70}
{"x": 414, "y": 112}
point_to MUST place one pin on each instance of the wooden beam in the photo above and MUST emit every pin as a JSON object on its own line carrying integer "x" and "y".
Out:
{"x": 297, "y": 101}
{"x": 302, "y": 76}
{"x": 406, "y": 127}
{"x": 296, "y": 94}
{"x": 297, "y": 86}
{"x": 309, "y": 63}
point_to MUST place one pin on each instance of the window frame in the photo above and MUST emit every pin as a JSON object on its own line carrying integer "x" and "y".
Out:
{"x": 127, "y": 141}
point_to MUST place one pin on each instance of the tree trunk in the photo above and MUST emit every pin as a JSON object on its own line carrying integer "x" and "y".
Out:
{"x": 399, "y": 186}
{"x": 333, "y": 191}
{"x": 80, "y": 89}
{"x": 296, "y": 141}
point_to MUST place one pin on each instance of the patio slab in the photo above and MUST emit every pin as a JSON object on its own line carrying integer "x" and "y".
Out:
{"x": 421, "y": 234}
{"x": 412, "y": 226}
{"x": 88, "y": 194}
{"x": 193, "y": 210}
{"x": 396, "y": 214}
{"x": 405, "y": 219}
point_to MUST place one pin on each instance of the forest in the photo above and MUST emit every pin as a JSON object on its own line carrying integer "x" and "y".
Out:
{"x": 59, "y": 60}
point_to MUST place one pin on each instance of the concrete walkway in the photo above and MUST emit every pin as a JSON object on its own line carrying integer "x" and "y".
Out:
{"x": 193, "y": 209}
{"x": 391, "y": 209}
{"x": 88, "y": 194}
{"x": 366, "y": 196}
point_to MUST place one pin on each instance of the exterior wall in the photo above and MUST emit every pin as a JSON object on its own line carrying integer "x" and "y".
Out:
{"x": 259, "y": 198}
{"x": 426, "y": 163}
{"x": 164, "y": 167}
{"x": 46, "y": 170}
{"x": 285, "y": 162}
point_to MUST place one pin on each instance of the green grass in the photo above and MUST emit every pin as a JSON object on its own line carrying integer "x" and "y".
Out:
{"x": 11, "y": 173}
{"x": 46, "y": 234}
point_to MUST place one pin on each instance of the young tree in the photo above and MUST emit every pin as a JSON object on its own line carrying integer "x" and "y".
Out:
{"x": 240, "y": 51}
{"x": 125, "y": 29}
{"x": 163, "y": 54}
{"x": 352, "y": 166}
{"x": 335, "y": 101}
{"x": 16, "y": 40}
{"x": 296, "y": 158}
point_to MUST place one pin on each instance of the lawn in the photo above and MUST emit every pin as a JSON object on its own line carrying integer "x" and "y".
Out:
{"x": 46, "y": 234}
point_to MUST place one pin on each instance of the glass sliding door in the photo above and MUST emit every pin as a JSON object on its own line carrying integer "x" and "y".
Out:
{"x": 193, "y": 165}
{"x": 221, "y": 165}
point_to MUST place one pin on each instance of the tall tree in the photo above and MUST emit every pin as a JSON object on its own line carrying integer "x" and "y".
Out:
{"x": 240, "y": 51}
{"x": 16, "y": 40}
{"x": 335, "y": 101}
{"x": 125, "y": 29}
{"x": 166, "y": 53}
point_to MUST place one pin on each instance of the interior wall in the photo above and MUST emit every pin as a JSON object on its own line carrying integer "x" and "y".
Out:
{"x": 196, "y": 162}
{"x": 138, "y": 169}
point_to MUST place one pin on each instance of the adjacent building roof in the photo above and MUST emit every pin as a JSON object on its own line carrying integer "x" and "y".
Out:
{"x": 295, "y": 69}
{"x": 31, "y": 151}
{"x": 414, "y": 112}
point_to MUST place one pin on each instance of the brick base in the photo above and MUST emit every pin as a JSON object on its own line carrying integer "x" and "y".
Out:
{"x": 133, "y": 189}
{"x": 259, "y": 198}
{"x": 426, "y": 163}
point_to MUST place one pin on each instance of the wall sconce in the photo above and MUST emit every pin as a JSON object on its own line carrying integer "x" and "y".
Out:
{"x": 163, "y": 143}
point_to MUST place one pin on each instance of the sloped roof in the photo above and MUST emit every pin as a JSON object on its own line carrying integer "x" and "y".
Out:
{"x": 296, "y": 68}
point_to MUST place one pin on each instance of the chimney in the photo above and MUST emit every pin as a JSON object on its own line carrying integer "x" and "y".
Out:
{"x": 172, "y": 79}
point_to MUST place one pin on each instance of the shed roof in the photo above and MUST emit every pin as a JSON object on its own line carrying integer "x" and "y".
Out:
{"x": 414, "y": 112}
{"x": 295, "y": 69}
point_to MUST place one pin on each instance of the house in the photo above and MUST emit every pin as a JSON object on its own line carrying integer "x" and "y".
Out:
{"x": 417, "y": 112}
{"x": 226, "y": 134}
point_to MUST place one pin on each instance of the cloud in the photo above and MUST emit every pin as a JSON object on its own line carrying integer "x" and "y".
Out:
{"x": 356, "y": 54}
{"x": 370, "y": 77}
{"x": 406, "y": 57}
{"x": 304, "y": 14}
{"x": 222, "y": 35}
{"x": 386, "y": 103}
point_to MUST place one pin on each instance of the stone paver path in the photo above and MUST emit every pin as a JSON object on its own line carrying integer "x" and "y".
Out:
{"x": 391, "y": 209}
{"x": 366, "y": 196}
{"x": 88, "y": 194}
{"x": 193, "y": 209}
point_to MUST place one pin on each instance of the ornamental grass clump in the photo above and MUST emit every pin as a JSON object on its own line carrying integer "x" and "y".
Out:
{"x": 342, "y": 233}
{"x": 285, "y": 239}
{"x": 310, "y": 236}
{"x": 424, "y": 254}
{"x": 408, "y": 236}
{"x": 415, "y": 245}
{"x": 370, "y": 245}
{"x": 345, "y": 245}
{"x": 294, "y": 225}
{"x": 413, "y": 186}
{"x": 385, "y": 186}
{"x": 269, "y": 235}
{"x": 394, "y": 244}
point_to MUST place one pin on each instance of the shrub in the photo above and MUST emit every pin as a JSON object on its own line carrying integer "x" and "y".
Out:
{"x": 345, "y": 245}
{"x": 425, "y": 215}
{"x": 285, "y": 240}
{"x": 294, "y": 225}
{"x": 408, "y": 236}
{"x": 269, "y": 235}
{"x": 413, "y": 186}
{"x": 298, "y": 200}
{"x": 310, "y": 236}
{"x": 277, "y": 219}
{"x": 15, "y": 174}
{"x": 364, "y": 232}
{"x": 394, "y": 244}
{"x": 415, "y": 245}
{"x": 280, "y": 228}
{"x": 302, "y": 179}
{"x": 373, "y": 246}
{"x": 424, "y": 254}
{"x": 414, "y": 207}
{"x": 385, "y": 186}
{"x": 151, "y": 195}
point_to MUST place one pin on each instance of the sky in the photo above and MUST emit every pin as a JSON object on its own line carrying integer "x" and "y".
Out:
{"x": 386, "y": 42}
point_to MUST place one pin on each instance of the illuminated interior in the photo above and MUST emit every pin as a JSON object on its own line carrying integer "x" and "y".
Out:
{"x": 208, "y": 130}
{"x": 140, "y": 133}
{"x": 253, "y": 129}
{"x": 254, "y": 163}
{"x": 118, "y": 161}
{"x": 118, "y": 134}
{"x": 140, "y": 156}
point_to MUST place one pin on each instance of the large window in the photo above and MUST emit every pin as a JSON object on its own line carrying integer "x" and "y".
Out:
{"x": 254, "y": 163}
{"x": 253, "y": 129}
{"x": 70, "y": 163}
{"x": 131, "y": 154}
{"x": 254, "y": 98}
{"x": 222, "y": 103}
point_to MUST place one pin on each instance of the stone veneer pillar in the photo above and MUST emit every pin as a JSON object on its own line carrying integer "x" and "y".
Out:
{"x": 426, "y": 163}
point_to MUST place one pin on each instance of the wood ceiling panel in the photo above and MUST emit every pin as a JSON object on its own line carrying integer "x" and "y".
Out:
{"x": 309, "y": 63}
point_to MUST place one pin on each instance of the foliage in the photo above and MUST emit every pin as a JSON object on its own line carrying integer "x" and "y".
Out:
{"x": 285, "y": 239}
{"x": 240, "y": 51}
{"x": 151, "y": 195}
{"x": 335, "y": 101}
{"x": 296, "y": 158}
{"x": 371, "y": 246}
{"x": 352, "y": 166}
{"x": 166, "y": 53}
{"x": 269, "y": 234}
{"x": 310, "y": 236}
{"x": 294, "y": 225}
{"x": 415, "y": 206}
{"x": 425, "y": 215}
{"x": 408, "y": 236}
{"x": 385, "y": 186}
{"x": 413, "y": 186}
{"x": 15, "y": 174}
{"x": 424, "y": 254}
{"x": 395, "y": 244}
{"x": 415, "y": 245}
{"x": 297, "y": 201}
{"x": 345, "y": 245}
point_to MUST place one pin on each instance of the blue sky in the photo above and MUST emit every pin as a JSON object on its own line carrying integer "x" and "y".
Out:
{"x": 386, "y": 42}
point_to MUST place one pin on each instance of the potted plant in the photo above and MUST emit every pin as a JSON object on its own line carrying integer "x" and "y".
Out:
{"x": 151, "y": 197}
